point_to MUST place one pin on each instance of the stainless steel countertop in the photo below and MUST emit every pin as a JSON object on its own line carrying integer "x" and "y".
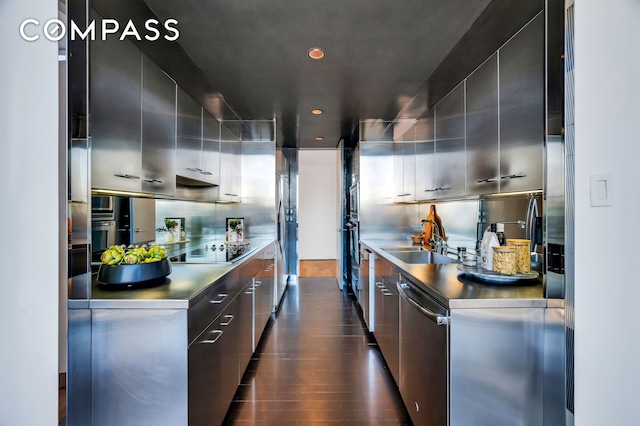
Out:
{"x": 178, "y": 290}
{"x": 447, "y": 285}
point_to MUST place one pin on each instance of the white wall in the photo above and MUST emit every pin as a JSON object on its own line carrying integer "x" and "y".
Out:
{"x": 317, "y": 204}
{"x": 607, "y": 336}
{"x": 29, "y": 214}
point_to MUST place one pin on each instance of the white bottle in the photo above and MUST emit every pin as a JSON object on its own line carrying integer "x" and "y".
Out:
{"x": 489, "y": 240}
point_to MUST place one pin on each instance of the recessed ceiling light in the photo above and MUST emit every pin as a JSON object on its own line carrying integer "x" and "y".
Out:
{"x": 319, "y": 138}
{"x": 316, "y": 53}
{"x": 316, "y": 111}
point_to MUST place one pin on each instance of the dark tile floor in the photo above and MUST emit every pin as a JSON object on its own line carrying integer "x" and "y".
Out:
{"x": 315, "y": 365}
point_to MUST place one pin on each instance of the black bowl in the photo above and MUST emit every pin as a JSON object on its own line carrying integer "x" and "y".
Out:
{"x": 134, "y": 274}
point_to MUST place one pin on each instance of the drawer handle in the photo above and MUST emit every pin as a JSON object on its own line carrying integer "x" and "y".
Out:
{"x": 217, "y": 334}
{"x": 227, "y": 321}
{"x": 219, "y": 298}
{"x": 257, "y": 284}
{"x": 379, "y": 284}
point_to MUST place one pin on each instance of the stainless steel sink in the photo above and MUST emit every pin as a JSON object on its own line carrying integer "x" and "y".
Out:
{"x": 423, "y": 256}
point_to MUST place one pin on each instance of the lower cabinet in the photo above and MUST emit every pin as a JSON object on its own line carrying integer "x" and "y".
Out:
{"x": 170, "y": 366}
{"x": 387, "y": 316}
{"x": 213, "y": 368}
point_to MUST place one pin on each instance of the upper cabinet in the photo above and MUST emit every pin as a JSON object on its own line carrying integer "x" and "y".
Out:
{"x": 189, "y": 143}
{"x": 404, "y": 169}
{"x": 521, "y": 99}
{"x": 158, "y": 130}
{"x": 230, "y": 166}
{"x": 133, "y": 121}
{"x": 425, "y": 158}
{"x": 450, "y": 145}
{"x": 210, "y": 149}
{"x": 116, "y": 122}
{"x": 482, "y": 153}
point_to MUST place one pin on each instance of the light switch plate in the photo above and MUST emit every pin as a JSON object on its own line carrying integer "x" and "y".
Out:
{"x": 601, "y": 190}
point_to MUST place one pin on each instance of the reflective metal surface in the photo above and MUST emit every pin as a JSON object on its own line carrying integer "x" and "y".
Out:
{"x": 521, "y": 88}
{"x": 138, "y": 364}
{"x": 79, "y": 367}
{"x": 450, "y": 144}
{"x": 496, "y": 366}
{"x": 424, "y": 347}
{"x": 554, "y": 367}
{"x": 387, "y": 314}
{"x": 423, "y": 257}
{"x": 158, "y": 174}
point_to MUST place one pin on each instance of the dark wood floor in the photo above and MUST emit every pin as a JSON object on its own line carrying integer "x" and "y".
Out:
{"x": 316, "y": 365}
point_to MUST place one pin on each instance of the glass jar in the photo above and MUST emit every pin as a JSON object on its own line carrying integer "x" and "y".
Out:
{"x": 470, "y": 260}
{"x": 504, "y": 260}
{"x": 523, "y": 254}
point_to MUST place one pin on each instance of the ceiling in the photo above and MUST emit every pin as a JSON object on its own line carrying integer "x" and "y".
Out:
{"x": 379, "y": 53}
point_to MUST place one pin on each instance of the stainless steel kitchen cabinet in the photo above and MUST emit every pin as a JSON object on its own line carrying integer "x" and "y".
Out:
{"x": 521, "y": 98}
{"x": 158, "y": 130}
{"x": 404, "y": 171}
{"x": 115, "y": 80}
{"x": 189, "y": 137}
{"x": 210, "y": 148}
{"x": 263, "y": 293}
{"x": 387, "y": 306}
{"x": 425, "y": 158}
{"x": 482, "y": 149}
{"x": 213, "y": 368}
{"x": 133, "y": 121}
{"x": 230, "y": 166}
{"x": 450, "y": 145}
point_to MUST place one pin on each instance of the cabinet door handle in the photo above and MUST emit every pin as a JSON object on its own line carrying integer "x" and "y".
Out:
{"x": 126, "y": 176}
{"x": 194, "y": 169}
{"x": 515, "y": 176}
{"x": 431, "y": 190}
{"x": 216, "y": 335}
{"x": 219, "y": 298}
{"x": 202, "y": 172}
{"x": 153, "y": 180}
{"x": 402, "y": 195}
{"x": 138, "y": 230}
{"x": 227, "y": 321}
{"x": 488, "y": 180}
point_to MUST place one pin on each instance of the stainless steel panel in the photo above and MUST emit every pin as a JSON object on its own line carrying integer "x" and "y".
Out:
{"x": 404, "y": 171}
{"x": 210, "y": 149}
{"x": 423, "y": 357}
{"x": 450, "y": 144}
{"x": 139, "y": 367}
{"x": 115, "y": 103}
{"x": 554, "y": 367}
{"x": 425, "y": 157}
{"x": 379, "y": 216}
{"x": 230, "y": 170}
{"x": 554, "y": 190}
{"x": 213, "y": 369}
{"x": 79, "y": 367}
{"x": 387, "y": 314}
{"x": 365, "y": 278}
{"x": 189, "y": 137}
{"x": 211, "y": 303}
{"x": 143, "y": 219}
{"x": 522, "y": 87}
{"x": 245, "y": 326}
{"x": 158, "y": 130}
{"x": 496, "y": 366}
{"x": 482, "y": 150}
{"x": 79, "y": 170}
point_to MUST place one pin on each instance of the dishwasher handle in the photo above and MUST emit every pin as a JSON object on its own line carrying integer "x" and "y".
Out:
{"x": 437, "y": 318}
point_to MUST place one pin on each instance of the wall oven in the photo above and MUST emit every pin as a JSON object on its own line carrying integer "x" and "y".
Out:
{"x": 103, "y": 235}
{"x": 354, "y": 202}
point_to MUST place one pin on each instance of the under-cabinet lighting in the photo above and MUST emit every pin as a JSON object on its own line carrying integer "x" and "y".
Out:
{"x": 316, "y": 111}
{"x": 319, "y": 138}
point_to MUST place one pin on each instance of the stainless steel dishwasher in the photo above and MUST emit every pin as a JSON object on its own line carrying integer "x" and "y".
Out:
{"x": 424, "y": 335}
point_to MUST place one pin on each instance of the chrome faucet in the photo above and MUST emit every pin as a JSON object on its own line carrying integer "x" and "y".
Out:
{"x": 436, "y": 243}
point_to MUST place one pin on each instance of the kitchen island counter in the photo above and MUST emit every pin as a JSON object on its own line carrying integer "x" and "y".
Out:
{"x": 183, "y": 288}
{"x": 446, "y": 283}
